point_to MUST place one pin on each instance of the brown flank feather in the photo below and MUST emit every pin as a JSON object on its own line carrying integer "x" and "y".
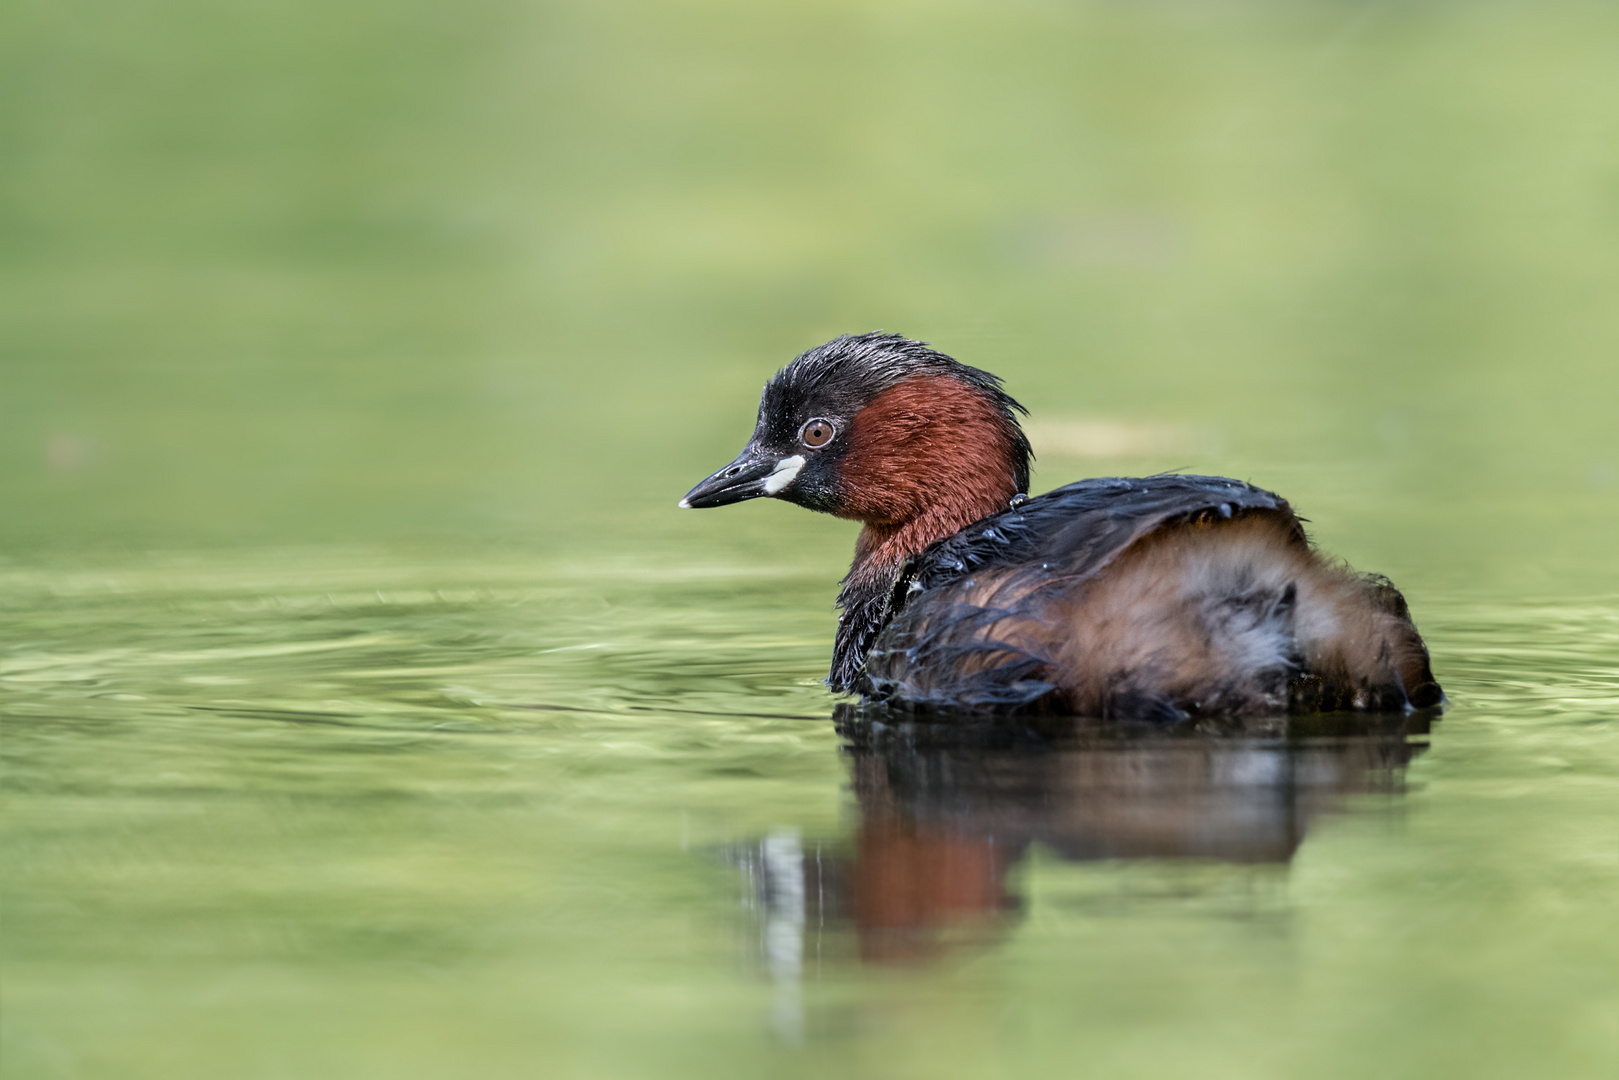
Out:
{"x": 1213, "y": 619}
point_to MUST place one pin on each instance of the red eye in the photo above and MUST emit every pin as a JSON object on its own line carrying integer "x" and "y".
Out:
{"x": 816, "y": 433}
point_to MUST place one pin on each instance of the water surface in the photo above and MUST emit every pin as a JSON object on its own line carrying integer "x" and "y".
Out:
{"x": 351, "y": 819}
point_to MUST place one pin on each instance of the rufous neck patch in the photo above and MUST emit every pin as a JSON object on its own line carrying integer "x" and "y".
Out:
{"x": 926, "y": 458}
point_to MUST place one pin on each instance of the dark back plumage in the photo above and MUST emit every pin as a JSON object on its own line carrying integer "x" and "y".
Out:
{"x": 1231, "y": 612}
{"x": 1050, "y": 544}
{"x": 1072, "y": 531}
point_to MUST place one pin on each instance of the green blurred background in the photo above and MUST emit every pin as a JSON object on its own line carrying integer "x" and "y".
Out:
{"x": 298, "y": 273}
{"x": 371, "y": 711}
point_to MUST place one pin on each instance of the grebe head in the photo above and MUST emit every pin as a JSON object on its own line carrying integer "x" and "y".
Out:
{"x": 883, "y": 430}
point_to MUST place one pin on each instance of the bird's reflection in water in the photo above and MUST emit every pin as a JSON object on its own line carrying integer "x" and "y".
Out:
{"x": 946, "y": 811}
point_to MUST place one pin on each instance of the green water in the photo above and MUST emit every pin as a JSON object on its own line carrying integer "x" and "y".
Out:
{"x": 369, "y": 710}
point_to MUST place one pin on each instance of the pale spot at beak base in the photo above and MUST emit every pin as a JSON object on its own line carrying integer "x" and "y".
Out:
{"x": 786, "y": 472}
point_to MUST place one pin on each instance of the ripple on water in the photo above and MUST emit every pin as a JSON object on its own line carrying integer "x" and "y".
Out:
{"x": 554, "y": 787}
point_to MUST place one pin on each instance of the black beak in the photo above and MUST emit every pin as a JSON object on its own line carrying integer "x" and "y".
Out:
{"x": 744, "y": 478}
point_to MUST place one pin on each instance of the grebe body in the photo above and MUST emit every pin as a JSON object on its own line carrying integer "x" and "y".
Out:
{"x": 1159, "y": 597}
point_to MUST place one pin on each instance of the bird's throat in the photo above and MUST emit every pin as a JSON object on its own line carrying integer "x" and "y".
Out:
{"x": 883, "y": 548}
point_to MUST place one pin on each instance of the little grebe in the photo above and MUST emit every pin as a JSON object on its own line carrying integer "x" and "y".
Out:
{"x": 1168, "y": 596}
